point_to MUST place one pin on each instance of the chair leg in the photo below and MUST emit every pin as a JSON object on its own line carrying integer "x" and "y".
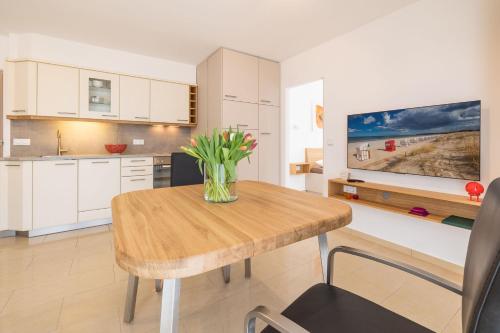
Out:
{"x": 248, "y": 268}
{"x": 323, "y": 253}
{"x": 226, "y": 273}
{"x": 158, "y": 285}
{"x": 133, "y": 282}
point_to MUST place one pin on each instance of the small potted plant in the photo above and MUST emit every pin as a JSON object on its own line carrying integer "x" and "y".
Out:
{"x": 217, "y": 158}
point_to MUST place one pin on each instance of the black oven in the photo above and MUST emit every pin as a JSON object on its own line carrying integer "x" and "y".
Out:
{"x": 161, "y": 171}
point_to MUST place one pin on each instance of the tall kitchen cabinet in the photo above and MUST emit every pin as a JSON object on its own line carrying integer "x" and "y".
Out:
{"x": 236, "y": 90}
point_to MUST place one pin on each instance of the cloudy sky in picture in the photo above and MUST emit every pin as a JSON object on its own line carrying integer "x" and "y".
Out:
{"x": 435, "y": 119}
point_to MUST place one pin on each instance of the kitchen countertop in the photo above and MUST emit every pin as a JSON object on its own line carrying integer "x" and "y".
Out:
{"x": 78, "y": 157}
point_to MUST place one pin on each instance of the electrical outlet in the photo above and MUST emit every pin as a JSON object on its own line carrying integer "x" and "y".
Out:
{"x": 350, "y": 189}
{"x": 21, "y": 142}
{"x": 138, "y": 142}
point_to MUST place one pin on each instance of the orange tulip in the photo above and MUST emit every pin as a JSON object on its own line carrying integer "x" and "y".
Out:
{"x": 226, "y": 135}
{"x": 193, "y": 142}
{"x": 243, "y": 148}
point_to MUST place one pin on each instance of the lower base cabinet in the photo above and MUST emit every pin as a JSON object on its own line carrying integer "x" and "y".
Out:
{"x": 98, "y": 183}
{"x": 55, "y": 193}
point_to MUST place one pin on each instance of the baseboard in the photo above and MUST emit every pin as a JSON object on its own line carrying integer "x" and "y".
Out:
{"x": 63, "y": 228}
{"x": 408, "y": 251}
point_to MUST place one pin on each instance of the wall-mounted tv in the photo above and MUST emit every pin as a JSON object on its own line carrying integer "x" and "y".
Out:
{"x": 439, "y": 140}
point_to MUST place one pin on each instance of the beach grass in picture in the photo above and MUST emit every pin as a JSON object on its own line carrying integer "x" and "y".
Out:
{"x": 441, "y": 141}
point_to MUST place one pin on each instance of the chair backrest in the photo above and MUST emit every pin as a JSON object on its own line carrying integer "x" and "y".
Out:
{"x": 184, "y": 170}
{"x": 481, "y": 288}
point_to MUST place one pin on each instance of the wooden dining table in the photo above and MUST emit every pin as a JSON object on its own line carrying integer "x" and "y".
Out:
{"x": 172, "y": 233}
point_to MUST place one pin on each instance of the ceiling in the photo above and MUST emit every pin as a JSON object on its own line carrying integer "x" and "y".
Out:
{"x": 189, "y": 30}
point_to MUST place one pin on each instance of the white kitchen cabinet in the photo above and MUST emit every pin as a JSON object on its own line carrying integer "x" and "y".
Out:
{"x": 134, "y": 98}
{"x": 99, "y": 95}
{"x": 169, "y": 102}
{"x": 16, "y": 195}
{"x": 249, "y": 170}
{"x": 136, "y": 183}
{"x": 240, "y": 76}
{"x": 58, "y": 88}
{"x": 269, "y": 144}
{"x": 21, "y": 87}
{"x": 98, "y": 183}
{"x": 244, "y": 116}
{"x": 55, "y": 193}
{"x": 269, "y": 82}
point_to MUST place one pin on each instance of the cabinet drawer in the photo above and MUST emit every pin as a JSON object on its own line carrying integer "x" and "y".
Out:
{"x": 240, "y": 115}
{"x": 137, "y": 171}
{"x": 136, "y": 161}
{"x": 136, "y": 183}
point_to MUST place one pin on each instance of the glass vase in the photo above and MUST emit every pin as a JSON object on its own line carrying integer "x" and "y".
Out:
{"x": 219, "y": 183}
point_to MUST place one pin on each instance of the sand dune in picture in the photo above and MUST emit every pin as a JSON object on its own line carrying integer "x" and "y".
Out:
{"x": 453, "y": 155}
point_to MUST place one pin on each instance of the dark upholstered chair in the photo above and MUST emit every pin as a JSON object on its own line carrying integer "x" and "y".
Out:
{"x": 184, "y": 170}
{"x": 326, "y": 308}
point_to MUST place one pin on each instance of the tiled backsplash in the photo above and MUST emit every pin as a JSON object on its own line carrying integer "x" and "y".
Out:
{"x": 82, "y": 138}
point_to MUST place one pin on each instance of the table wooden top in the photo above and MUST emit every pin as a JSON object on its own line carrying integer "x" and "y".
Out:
{"x": 174, "y": 233}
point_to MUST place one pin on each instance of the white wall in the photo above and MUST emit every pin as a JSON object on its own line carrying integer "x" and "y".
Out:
{"x": 301, "y": 101}
{"x": 431, "y": 52}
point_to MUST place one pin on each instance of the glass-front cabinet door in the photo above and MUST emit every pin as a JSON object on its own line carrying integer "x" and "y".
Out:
{"x": 99, "y": 95}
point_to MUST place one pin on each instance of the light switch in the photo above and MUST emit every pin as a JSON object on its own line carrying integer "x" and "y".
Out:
{"x": 138, "y": 142}
{"x": 21, "y": 142}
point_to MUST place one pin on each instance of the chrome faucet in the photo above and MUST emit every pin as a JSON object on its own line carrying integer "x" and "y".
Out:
{"x": 60, "y": 150}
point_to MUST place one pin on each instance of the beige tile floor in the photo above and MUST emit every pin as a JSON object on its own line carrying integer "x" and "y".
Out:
{"x": 69, "y": 282}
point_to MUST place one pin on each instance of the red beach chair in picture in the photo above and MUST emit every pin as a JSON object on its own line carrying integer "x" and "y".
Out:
{"x": 390, "y": 145}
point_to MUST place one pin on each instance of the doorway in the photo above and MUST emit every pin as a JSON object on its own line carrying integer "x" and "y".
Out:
{"x": 304, "y": 123}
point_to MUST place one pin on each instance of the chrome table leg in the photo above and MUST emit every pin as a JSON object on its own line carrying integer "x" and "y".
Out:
{"x": 133, "y": 282}
{"x": 169, "y": 322}
{"x": 248, "y": 268}
{"x": 226, "y": 273}
{"x": 323, "y": 253}
{"x": 158, "y": 285}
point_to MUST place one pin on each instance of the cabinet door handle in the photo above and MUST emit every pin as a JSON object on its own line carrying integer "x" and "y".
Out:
{"x": 138, "y": 179}
{"x": 100, "y": 162}
{"x": 137, "y": 170}
{"x": 265, "y": 101}
{"x": 64, "y": 164}
{"x": 230, "y": 96}
{"x": 137, "y": 117}
{"x": 182, "y": 119}
{"x": 265, "y": 133}
{"x": 18, "y": 111}
{"x": 109, "y": 115}
{"x": 14, "y": 165}
{"x": 133, "y": 161}
{"x": 66, "y": 113}
{"x": 241, "y": 125}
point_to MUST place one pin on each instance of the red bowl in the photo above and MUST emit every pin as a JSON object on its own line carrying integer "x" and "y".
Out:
{"x": 115, "y": 149}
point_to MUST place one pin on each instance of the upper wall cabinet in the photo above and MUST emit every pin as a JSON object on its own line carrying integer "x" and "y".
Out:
{"x": 169, "y": 102}
{"x": 134, "y": 98}
{"x": 269, "y": 82}
{"x": 20, "y": 82}
{"x": 99, "y": 93}
{"x": 57, "y": 91}
{"x": 240, "y": 77}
